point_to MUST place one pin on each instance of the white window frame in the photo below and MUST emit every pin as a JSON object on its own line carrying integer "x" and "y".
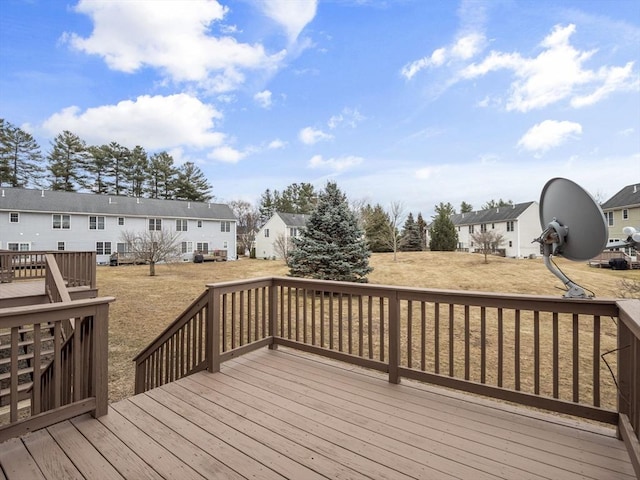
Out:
{"x": 266, "y": 233}
{"x": 103, "y": 248}
{"x": 609, "y": 216}
{"x": 181, "y": 225}
{"x": 13, "y": 215}
{"x": 19, "y": 246}
{"x": 199, "y": 223}
{"x": 225, "y": 226}
{"x": 202, "y": 247}
{"x": 155, "y": 224}
{"x": 96, "y": 222}
{"x": 120, "y": 221}
{"x": 186, "y": 247}
{"x": 62, "y": 225}
{"x": 625, "y": 214}
{"x": 61, "y": 246}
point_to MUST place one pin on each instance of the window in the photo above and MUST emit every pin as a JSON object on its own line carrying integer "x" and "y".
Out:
{"x": 186, "y": 247}
{"x": 510, "y": 243}
{"x": 61, "y": 246}
{"x": 625, "y": 214}
{"x": 225, "y": 245}
{"x": 266, "y": 233}
{"x": 483, "y": 228}
{"x": 120, "y": 220}
{"x": 18, "y": 246}
{"x": 202, "y": 247}
{"x": 103, "y": 248}
{"x": 225, "y": 226}
{"x": 493, "y": 226}
{"x": 61, "y": 221}
{"x": 609, "y": 217}
{"x": 199, "y": 223}
{"x": 293, "y": 232}
{"x": 96, "y": 223}
{"x": 155, "y": 224}
{"x": 470, "y": 228}
{"x": 511, "y": 226}
{"x": 14, "y": 217}
{"x": 181, "y": 225}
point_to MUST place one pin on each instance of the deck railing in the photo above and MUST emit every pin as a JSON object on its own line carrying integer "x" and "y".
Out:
{"x": 75, "y": 380}
{"x": 563, "y": 355}
{"x": 78, "y": 268}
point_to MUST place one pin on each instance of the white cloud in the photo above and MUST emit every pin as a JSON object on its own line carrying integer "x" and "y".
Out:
{"x": 227, "y": 154}
{"x": 348, "y": 116}
{"x": 310, "y": 135}
{"x": 464, "y": 48}
{"x": 549, "y": 134}
{"x": 555, "y": 74}
{"x": 336, "y": 164}
{"x": 293, "y": 16}
{"x": 276, "y": 144}
{"x": 263, "y": 98}
{"x": 156, "y": 123}
{"x": 169, "y": 37}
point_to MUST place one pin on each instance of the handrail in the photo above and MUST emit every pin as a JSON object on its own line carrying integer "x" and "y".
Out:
{"x": 77, "y": 268}
{"x": 77, "y": 381}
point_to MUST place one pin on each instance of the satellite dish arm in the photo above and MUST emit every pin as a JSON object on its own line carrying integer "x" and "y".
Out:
{"x": 573, "y": 290}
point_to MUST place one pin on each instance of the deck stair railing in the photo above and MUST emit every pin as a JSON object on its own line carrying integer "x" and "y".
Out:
{"x": 577, "y": 357}
{"x": 53, "y": 356}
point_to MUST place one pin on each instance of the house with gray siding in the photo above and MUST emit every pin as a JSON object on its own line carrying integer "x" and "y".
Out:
{"x": 54, "y": 220}
{"x": 519, "y": 224}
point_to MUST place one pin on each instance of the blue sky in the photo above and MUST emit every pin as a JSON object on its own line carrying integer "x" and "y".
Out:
{"x": 409, "y": 101}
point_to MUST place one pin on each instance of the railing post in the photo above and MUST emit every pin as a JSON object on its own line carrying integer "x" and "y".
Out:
{"x": 273, "y": 315}
{"x": 100, "y": 342}
{"x": 212, "y": 348}
{"x": 394, "y": 338}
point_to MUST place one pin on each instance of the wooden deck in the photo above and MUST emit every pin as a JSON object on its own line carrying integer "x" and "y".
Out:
{"x": 283, "y": 414}
{"x": 21, "y": 289}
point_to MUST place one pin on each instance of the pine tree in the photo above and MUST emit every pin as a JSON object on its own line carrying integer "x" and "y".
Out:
{"x": 191, "y": 184}
{"x": 443, "y": 232}
{"x": 410, "y": 239}
{"x": 376, "y": 226}
{"x": 422, "y": 228}
{"x": 161, "y": 176}
{"x": 266, "y": 207}
{"x": 466, "y": 207}
{"x": 332, "y": 246}
{"x": 20, "y": 157}
{"x": 97, "y": 166}
{"x": 136, "y": 172}
{"x": 118, "y": 157}
{"x": 67, "y": 161}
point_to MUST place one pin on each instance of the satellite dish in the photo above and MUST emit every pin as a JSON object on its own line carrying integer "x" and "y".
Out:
{"x": 573, "y": 226}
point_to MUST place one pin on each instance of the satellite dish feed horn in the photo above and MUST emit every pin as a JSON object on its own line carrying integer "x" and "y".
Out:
{"x": 573, "y": 226}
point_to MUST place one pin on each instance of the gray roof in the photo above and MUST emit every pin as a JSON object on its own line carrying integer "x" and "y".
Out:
{"x": 493, "y": 215}
{"x": 293, "y": 219}
{"x": 26, "y": 200}
{"x": 629, "y": 196}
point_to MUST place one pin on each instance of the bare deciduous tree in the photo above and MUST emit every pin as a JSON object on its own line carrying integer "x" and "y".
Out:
{"x": 487, "y": 242}
{"x": 283, "y": 247}
{"x": 248, "y": 223}
{"x": 152, "y": 246}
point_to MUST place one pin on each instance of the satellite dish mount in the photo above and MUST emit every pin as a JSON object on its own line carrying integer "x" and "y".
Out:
{"x": 563, "y": 203}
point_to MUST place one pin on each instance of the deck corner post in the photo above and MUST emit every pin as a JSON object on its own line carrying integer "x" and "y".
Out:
{"x": 101, "y": 359}
{"x": 273, "y": 315}
{"x": 394, "y": 338}
{"x": 212, "y": 350}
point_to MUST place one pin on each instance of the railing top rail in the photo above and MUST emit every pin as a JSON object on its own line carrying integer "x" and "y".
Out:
{"x": 593, "y": 306}
{"x": 16, "y": 316}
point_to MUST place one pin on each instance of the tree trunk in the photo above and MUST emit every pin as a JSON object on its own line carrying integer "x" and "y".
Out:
{"x": 152, "y": 269}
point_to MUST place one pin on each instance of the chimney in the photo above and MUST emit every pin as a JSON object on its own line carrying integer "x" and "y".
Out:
{"x": 188, "y": 204}
{"x": 3, "y": 192}
{"x": 498, "y": 210}
{"x": 137, "y": 199}
{"x": 109, "y": 200}
{"x": 42, "y": 193}
{"x": 635, "y": 189}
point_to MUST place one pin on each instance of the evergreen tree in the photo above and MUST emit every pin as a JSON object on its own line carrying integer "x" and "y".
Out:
{"x": 191, "y": 184}
{"x": 410, "y": 240}
{"x": 497, "y": 204}
{"x": 376, "y": 225}
{"x": 67, "y": 161}
{"x": 97, "y": 166}
{"x": 466, "y": 207}
{"x": 161, "y": 176}
{"x": 443, "y": 232}
{"x": 136, "y": 173}
{"x": 20, "y": 157}
{"x": 332, "y": 246}
{"x": 118, "y": 163}
{"x": 422, "y": 228}
{"x": 297, "y": 198}
{"x": 267, "y": 207}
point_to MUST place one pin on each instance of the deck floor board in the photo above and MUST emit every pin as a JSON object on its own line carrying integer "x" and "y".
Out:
{"x": 282, "y": 414}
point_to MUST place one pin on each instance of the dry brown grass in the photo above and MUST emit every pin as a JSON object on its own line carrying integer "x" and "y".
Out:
{"x": 146, "y": 305}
